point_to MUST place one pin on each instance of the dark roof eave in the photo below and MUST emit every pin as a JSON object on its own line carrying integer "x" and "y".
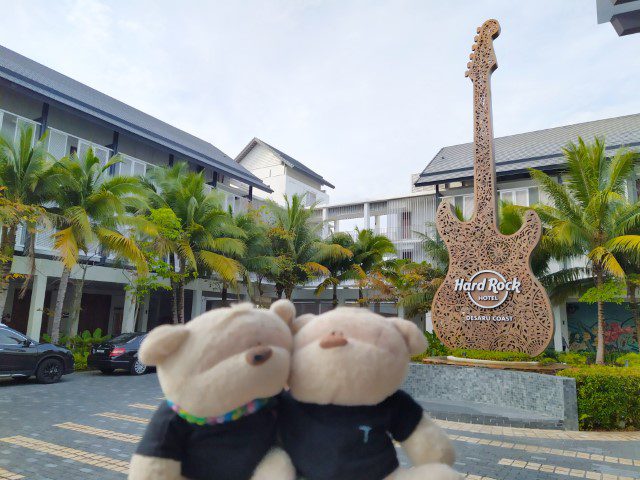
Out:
{"x": 522, "y": 173}
{"x": 63, "y": 99}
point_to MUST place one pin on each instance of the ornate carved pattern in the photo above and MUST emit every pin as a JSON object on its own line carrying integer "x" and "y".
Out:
{"x": 478, "y": 245}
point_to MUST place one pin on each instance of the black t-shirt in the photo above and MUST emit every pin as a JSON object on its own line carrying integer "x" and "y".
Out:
{"x": 227, "y": 451}
{"x": 332, "y": 442}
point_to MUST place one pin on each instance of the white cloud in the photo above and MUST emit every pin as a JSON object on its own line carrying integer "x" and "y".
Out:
{"x": 363, "y": 92}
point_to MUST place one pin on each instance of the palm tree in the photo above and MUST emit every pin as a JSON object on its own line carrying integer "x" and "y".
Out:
{"x": 297, "y": 246}
{"x": 590, "y": 213}
{"x": 369, "y": 250}
{"x": 411, "y": 285}
{"x": 204, "y": 241}
{"x": 24, "y": 166}
{"x": 90, "y": 209}
{"x": 340, "y": 269}
{"x": 258, "y": 258}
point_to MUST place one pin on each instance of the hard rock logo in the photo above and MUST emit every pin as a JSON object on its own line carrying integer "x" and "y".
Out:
{"x": 488, "y": 288}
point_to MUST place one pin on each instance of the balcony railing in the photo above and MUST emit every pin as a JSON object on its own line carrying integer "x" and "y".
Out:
{"x": 10, "y": 125}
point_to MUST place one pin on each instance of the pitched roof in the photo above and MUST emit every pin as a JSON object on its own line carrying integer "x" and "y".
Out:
{"x": 53, "y": 85}
{"x": 541, "y": 149}
{"x": 288, "y": 160}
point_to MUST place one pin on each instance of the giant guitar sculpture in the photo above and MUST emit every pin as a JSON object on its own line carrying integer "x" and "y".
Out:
{"x": 489, "y": 299}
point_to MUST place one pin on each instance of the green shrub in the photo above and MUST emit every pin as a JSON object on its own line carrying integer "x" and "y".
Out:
{"x": 492, "y": 355}
{"x": 435, "y": 349}
{"x": 572, "y": 358}
{"x": 629, "y": 359}
{"x": 80, "y": 361}
{"x": 608, "y": 397}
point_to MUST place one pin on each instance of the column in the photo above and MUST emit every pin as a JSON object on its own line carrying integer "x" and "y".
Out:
{"x": 376, "y": 224}
{"x": 196, "y": 304}
{"x": 325, "y": 224}
{"x": 367, "y": 216}
{"x": 38, "y": 289}
{"x": 561, "y": 328}
{"x": 129, "y": 313}
{"x": 336, "y": 226}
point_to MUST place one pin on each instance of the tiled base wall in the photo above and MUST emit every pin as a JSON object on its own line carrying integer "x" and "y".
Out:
{"x": 542, "y": 395}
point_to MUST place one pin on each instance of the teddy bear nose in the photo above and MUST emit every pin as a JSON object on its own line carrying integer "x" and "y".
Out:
{"x": 258, "y": 355}
{"x": 334, "y": 339}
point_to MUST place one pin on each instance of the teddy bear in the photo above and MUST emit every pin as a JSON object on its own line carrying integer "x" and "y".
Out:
{"x": 221, "y": 374}
{"x": 344, "y": 407}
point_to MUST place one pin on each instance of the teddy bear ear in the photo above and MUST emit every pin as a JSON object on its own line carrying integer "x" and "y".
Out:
{"x": 161, "y": 342}
{"x": 285, "y": 309}
{"x": 301, "y": 321}
{"x": 413, "y": 337}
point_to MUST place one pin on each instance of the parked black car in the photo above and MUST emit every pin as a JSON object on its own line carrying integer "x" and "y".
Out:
{"x": 22, "y": 357}
{"x": 120, "y": 352}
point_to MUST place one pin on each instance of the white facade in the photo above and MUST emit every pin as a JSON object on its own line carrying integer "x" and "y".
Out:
{"x": 281, "y": 177}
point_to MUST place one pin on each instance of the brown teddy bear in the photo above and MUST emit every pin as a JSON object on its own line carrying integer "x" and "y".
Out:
{"x": 344, "y": 405}
{"x": 220, "y": 373}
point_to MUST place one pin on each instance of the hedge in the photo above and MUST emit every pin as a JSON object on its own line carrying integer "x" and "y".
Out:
{"x": 491, "y": 355}
{"x": 608, "y": 397}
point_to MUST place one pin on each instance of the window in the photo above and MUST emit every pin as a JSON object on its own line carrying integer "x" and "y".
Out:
{"x": 407, "y": 255}
{"x": 9, "y": 337}
{"x": 405, "y": 226}
{"x": 518, "y": 196}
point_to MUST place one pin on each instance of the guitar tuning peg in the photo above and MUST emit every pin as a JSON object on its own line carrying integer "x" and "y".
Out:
{"x": 475, "y": 39}
{"x": 473, "y": 47}
{"x": 472, "y": 56}
{"x": 466, "y": 74}
{"x": 478, "y": 30}
{"x": 469, "y": 64}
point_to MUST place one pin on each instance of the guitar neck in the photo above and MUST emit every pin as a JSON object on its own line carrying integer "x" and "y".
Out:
{"x": 484, "y": 176}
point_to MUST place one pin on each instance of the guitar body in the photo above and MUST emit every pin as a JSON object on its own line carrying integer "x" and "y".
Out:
{"x": 475, "y": 248}
{"x": 490, "y": 299}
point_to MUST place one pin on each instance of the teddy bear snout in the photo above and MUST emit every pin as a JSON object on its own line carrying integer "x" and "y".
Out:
{"x": 334, "y": 339}
{"x": 258, "y": 355}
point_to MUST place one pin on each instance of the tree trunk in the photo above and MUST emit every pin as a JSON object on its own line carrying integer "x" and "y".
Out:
{"x": 224, "y": 295}
{"x": 600, "y": 341}
{"x": 279, "y": 290}
{"x": 30, "y": 250}
{"x": 180, "y": 306}
{"x": 76, "y": 305}
{"x": 7, "y": 246}
{"x": 334, "y": 297}
{"x": 288, "y": 292}
{"x": 174, "y": 302}
{"x": 361, "y": 298}
{"x": 57, "y": 315}
{"x": 633, "y": 306}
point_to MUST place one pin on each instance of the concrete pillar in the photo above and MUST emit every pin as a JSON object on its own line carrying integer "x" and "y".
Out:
{"x": 367, "y": 216}
{"x": 196, "y": 304}
{"x": 38, "y": 289}
{"x": 325, "y": 224}
{"x": 336, "y": 226}
{"x": 428, "y": 324}
{"x": 128, "y": 313}
{"x": 376, "y": 224}
{"x": 561, "y": 328}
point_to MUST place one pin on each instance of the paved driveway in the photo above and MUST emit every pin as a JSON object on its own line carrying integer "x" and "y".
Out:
{"x": 87, "y": 426}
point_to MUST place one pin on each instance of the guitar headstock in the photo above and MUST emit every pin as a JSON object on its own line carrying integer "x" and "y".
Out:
{"x": 483, "y": 58}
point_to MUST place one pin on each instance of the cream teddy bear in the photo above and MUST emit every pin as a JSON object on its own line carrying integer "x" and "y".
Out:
{"x": 344, "y": 406}
{"x": 220, "y": 373}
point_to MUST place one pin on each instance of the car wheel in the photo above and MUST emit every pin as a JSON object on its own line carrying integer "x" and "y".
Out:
{"x": 138, "y": 368}
{"x": 49, "y": 371}
{"x": 106, "y": 371}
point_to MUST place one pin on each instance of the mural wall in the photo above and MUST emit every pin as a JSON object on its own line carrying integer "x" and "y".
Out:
{"x": 619, "y": 333}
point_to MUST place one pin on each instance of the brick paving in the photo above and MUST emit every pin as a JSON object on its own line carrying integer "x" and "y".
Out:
{"x": 86, "y": 427}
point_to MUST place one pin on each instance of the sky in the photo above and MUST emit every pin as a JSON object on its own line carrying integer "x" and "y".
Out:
{"x": 363, "y": 92}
